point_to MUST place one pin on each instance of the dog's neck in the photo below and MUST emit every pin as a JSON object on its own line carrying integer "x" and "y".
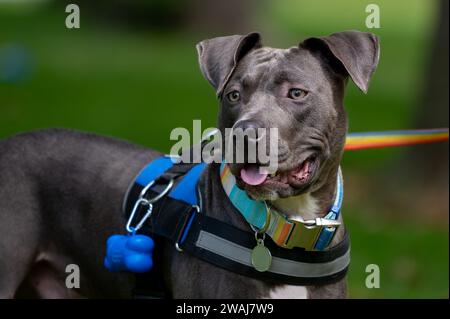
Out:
{"x": 309, "y": 205}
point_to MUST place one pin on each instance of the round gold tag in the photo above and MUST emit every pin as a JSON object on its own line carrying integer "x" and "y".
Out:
{"x": 261, "y": 258}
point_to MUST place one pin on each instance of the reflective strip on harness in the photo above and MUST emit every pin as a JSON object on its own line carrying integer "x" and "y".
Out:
{"x": 282, "y": 266}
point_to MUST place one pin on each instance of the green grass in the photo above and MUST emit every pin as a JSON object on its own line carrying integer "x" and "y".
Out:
{"x": 140, "y": 85}
{"x": 412, "y": 257}
{"x": 111, "y": 82}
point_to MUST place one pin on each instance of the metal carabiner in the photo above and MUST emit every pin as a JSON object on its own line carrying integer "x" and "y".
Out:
{"x": 139, "y": 202}
{"x": 142, "y": 201}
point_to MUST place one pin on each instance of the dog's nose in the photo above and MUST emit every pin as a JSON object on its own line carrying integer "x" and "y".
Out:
{"x": 254, "y": 129}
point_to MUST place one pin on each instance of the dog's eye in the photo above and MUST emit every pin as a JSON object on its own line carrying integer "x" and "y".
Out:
{"x": 233, "y": 96}
{"x": 296, "y": 93}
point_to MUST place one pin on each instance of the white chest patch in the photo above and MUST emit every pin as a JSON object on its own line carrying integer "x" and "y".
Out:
{"x": 289, "y": 292}
{"x": 304, "y": 206}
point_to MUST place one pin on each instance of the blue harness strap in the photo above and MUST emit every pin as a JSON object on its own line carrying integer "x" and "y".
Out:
{"x": 153, "y": 170}
{"x": 185, "y": 190}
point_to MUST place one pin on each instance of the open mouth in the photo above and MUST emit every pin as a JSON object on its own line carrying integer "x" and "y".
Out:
{"x": 297, "y": 177}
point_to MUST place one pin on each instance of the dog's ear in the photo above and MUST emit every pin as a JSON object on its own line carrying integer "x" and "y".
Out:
{"x": 218, "y": 57}
{"x": 358, "y": 52}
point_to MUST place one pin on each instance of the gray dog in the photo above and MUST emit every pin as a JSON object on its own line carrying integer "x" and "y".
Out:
{"x": 61, "y": 191}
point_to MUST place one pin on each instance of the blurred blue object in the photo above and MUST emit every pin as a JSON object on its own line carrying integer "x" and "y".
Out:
{"x": 15, "y": 63}
{"x": 129, "y": 253}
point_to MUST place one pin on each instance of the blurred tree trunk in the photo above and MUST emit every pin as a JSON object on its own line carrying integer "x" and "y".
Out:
{"x": 433, "y": 108}
{"x": 422, "y": 173}
{"x": 205, "y": 17}
{"x": 134, "y": 14}
{"x": 219, "y": 17}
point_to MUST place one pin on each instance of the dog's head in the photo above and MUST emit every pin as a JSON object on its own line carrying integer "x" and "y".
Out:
{"x": 299, "y": 91}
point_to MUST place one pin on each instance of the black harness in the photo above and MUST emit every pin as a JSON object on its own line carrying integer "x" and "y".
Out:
{"x": 189, "y": 228}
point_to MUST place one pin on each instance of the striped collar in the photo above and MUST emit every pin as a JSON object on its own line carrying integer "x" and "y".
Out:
{"x": 313, "y": 234}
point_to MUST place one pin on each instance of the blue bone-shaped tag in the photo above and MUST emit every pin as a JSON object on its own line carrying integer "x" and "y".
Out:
{"x": 129, "y": 253}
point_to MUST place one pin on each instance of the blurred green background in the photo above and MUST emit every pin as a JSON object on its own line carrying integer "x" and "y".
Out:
{"x": 131, "y": 72}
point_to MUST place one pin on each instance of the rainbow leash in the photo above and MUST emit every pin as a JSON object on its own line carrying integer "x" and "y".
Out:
{"x": 368, "y": 140}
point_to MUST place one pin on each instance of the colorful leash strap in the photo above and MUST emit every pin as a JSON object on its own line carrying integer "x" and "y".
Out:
{"x": 368, "y": 140}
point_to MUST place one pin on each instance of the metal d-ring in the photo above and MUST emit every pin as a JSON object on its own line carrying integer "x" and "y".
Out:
{"x": 160, "y": 195}
{"x": 258, "y": 239}
{"x": 177, "y": 245}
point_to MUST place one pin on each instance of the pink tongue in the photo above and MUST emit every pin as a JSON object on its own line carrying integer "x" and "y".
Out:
{"x": 252, "y": 176}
